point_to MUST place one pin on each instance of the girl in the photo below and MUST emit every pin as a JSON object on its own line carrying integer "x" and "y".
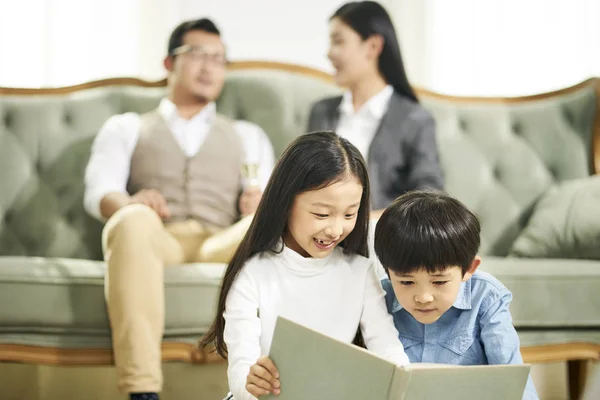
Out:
{"x": 304, "y": 258}
{"x": 379, "y": 112}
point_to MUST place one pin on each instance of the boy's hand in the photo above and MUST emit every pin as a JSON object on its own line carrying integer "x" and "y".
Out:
{"x": 263, "y": 378}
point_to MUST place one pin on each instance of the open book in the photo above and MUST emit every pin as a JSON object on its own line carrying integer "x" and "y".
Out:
{"x": 315, "y": 366}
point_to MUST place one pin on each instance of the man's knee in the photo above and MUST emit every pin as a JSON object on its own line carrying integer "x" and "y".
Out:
{"x": 131, "y": 221}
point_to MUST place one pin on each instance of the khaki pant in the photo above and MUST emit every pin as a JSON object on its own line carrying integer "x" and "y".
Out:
{"x": 137, "y": 245}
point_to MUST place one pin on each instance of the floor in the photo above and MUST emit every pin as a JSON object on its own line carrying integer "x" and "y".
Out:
{"x": 182, "y": 382}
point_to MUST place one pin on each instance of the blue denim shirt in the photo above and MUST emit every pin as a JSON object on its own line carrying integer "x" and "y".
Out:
{"x": 476, "y": 330}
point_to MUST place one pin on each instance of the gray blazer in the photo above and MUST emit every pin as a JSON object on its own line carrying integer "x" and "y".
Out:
{"x": 403, "y": 155}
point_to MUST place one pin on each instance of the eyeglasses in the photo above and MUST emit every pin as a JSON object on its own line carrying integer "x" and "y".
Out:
{"x": 198, "y": 53}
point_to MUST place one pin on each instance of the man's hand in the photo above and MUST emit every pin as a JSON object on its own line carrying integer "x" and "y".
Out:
{"x": 263, "y": 378}
{"x": 249, "y": 201}
{"x": 153, "y": 199}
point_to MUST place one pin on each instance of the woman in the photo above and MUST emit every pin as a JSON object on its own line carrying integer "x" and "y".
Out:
{"x": 379, "y": 113}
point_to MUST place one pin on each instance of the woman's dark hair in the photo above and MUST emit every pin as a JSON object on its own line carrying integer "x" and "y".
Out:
{"x": 368, "y": 18}
{"x": 426, "y": 229}
{"x": 311, "y": 162}
{"x": 203, "y": 24}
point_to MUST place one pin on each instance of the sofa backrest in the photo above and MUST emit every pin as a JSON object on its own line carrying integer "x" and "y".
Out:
{"x": 498, "y": 155}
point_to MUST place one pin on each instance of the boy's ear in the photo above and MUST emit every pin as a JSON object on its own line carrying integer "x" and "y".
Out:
{"x": 472, "y": 268}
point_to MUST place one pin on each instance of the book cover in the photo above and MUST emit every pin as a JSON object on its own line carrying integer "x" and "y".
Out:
{"x": 315, "y": 366}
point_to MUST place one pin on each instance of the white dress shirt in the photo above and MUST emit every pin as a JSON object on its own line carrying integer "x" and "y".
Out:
{"x": 113, "y": 147}
{"x": 332, "y": 295}
{"x": 359, "y": 127}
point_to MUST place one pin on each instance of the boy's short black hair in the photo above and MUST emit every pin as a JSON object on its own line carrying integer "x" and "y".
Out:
{"x": 426, "y": 229}
{"x": 203, "y": 24}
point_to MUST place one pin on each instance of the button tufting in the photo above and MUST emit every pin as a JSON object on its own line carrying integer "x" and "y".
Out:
{"x": 568, "y": 116}
{"x": 497, "y": 173}
{"x": 71, "y": 216}
{"x": 61, "y": 191}
{"x": 517, "y": 128}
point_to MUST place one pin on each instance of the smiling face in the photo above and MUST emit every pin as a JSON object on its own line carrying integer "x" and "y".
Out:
{"x": 352, "y": 57}
{"x": 321, "y": 219}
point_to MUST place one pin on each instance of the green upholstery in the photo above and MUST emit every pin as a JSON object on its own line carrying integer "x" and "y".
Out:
{"x": 498, "y": 157}
{"x": 277, "y": 101}
{"x": 45, "y": 144}
{"x": 565, "y": 223}
{"x": 550, "y": 292}
{"x": 61, "y": 301}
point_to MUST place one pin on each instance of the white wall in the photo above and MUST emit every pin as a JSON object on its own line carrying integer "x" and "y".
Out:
{"x": 63, "y": 42}
{"x": 461, "y": 47}
{"x": 271, "y": 30}
{"x": 157, "y": 19}
{"x": 411, "y": 20}
{"x": 71, "y": 41}
{"x": 298, "y": 33}
{"x": 275, "y": 30}
{"x": 512, "y": 47}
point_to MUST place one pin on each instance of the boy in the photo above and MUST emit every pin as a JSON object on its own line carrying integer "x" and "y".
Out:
{"x": 444, "y": 309}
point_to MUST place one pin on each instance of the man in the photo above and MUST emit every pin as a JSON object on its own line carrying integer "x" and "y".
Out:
{"x": 169, "y": 184}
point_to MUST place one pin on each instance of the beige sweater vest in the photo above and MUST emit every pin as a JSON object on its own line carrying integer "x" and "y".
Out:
{"x": 205, "y": 186}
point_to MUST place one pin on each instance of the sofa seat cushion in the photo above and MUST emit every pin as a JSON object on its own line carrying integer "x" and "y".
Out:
{"x": 544, "y": 337}
{"x": 60, "y": 302}
{"x": 550, "y": 293}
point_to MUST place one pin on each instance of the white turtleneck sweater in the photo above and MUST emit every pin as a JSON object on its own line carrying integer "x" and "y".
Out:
{"x": 333, "y": 295}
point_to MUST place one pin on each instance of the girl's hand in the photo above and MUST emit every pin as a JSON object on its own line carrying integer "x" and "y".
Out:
{"x": 263, "y": 378}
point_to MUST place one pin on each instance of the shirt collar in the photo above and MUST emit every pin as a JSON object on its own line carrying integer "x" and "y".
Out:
{"x": 168, "y": 111}
{"x": 376, "y": 106}
{"x": 462, "y": 302}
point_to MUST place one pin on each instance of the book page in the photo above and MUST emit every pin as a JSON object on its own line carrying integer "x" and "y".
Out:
{"x": 428, "y": 366}
{"x": 456, "y": 382}
{"x": 314, "y": 366}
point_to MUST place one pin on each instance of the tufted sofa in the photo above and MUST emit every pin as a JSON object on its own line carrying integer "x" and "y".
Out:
{"x": 499, "y": 156}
